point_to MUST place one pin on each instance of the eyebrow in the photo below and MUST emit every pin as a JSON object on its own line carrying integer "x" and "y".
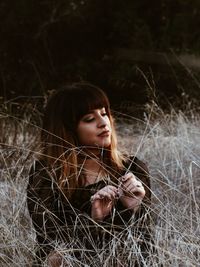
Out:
{"x": 92, "y": 110}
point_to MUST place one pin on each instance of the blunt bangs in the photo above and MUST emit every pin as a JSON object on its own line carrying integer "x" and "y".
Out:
{"x": 89, "y": 100}
{"x": 80, "y": 99}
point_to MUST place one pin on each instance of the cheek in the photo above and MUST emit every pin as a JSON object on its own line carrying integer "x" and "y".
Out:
{"x": 108, "y": 121}
{"x": 83, "y": 133}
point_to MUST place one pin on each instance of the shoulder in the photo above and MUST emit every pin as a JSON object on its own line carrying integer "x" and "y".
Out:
{"x": 41, "y": 188}
{"x": 134, "y": 164}
{"x": 40, "y": 176}
{"x": 40, "y": 167}
{"x": 37, "y": 166}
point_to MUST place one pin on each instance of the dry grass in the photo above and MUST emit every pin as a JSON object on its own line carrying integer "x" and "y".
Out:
{"x": 168, "y": 143}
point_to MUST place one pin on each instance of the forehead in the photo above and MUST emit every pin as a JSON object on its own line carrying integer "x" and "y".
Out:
{"x": 90, "y": 101}
{"x": 95, "y": 110}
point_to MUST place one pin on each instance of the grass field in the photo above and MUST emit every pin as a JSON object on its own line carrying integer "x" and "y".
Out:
{"x": 168, "y": 143}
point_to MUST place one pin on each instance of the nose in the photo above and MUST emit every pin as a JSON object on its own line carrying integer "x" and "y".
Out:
{"x": 101, "y": 122}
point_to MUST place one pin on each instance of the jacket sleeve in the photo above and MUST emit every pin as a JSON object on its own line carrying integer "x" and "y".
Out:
{"x": 143, "y": 216}
{"x": 50, "y": 218}
{"x": 140, "y": 170}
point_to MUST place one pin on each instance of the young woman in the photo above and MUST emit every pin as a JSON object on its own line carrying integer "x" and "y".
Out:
{"x": 82, "y": 191}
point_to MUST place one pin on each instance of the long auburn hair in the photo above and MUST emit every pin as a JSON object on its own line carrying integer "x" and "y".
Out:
{"x": 61, "y": 149}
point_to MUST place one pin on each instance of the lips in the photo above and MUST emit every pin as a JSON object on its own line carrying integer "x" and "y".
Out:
{"x": 104, "y": 133}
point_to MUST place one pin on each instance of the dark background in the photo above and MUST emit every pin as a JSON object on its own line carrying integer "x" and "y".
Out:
{"x": 133, "y": 49}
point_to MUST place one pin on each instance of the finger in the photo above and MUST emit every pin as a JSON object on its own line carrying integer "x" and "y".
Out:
{"x": 119, "y": 193}
{"x": 104, "y": 194}
{"x": 128, "y": 176}
{"x": 109, "y": 190}
{"x": 97, "y": 196}
{"x": 109, "y": 204}
{"x": 109, "y": 193}
{"x": 135, "y": 191}
{"x": 111, "y": 187}
{"x": 130, "y": 183}
{"x": 130, "y": 187}
{"x": 93, "y": 198}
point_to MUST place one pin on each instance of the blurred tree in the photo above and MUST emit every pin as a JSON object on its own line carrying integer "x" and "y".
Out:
{"x": 46, "y": 43}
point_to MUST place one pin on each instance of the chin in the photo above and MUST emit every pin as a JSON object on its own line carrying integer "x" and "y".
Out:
{"x": 105, "y": 145}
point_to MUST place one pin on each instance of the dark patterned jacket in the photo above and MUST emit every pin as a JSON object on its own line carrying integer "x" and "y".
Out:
{"x": 59, "y": 219}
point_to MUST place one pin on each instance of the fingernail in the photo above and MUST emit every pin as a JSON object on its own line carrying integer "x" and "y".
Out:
{"x": 122, "y": 178}
{"x": 118, "y": 194}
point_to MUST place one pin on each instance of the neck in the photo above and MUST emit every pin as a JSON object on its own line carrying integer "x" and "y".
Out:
{"x": 91, "y": 163}
{"x": 91, "y": 170}
{"x": 93, "y": 154}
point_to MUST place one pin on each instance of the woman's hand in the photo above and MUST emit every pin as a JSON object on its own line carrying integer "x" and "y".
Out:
{"x": 103, "y": 201}
{"x": 131, "y": 191}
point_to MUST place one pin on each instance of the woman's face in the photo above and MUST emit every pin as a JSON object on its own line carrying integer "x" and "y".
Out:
{"x": 94, "y": 129}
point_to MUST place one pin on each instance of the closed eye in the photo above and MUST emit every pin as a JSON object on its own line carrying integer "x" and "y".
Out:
{"x": 89, "y": 119}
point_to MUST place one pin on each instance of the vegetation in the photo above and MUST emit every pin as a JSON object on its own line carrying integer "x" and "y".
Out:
{"x": 47, "y": 43}
{"x": 112, "y": 44}
{"x": 169, "y": 143}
